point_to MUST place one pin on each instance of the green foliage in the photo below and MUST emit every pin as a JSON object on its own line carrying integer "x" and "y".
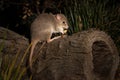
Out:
{"x": 100, "y": 14}
{"x": 11, "y": 71}
{"x": 1, "y": 48}
{"x": 93, "y": 13}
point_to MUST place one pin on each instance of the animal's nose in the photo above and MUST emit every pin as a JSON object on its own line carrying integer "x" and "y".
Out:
{"x": 66, "y": 27}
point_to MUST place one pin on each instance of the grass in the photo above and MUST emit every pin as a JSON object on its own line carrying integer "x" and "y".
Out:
{"x": 12, "y": 70}
{"x": 1, "y": 47}
{"x": 93, "y": 13}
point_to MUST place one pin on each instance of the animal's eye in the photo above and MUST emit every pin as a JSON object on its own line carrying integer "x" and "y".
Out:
{"x": 63, "y": 22}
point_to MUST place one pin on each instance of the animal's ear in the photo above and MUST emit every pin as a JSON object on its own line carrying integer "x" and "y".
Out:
{"x": 58, "y": 16}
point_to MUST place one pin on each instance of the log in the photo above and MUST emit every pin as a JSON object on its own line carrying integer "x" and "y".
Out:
{"x": 86, "y": 55}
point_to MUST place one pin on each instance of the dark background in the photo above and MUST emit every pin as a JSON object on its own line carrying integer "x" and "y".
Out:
{"x": 17, "y": 15}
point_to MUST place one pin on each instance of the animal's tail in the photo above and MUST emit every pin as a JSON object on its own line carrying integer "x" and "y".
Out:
{"x": 32, "y": 51}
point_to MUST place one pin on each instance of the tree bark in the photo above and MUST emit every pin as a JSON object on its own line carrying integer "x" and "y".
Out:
{"x": 86, "y": 55}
